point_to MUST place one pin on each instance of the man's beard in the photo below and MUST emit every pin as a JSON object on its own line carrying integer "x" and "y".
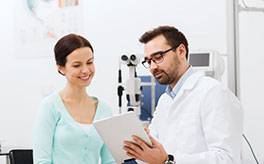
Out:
{"x": 164, "y": 79}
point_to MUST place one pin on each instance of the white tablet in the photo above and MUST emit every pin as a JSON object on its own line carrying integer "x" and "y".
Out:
{"x": 115, "y": 130}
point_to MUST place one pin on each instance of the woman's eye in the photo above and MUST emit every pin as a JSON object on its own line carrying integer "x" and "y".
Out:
{"x": 88, "y": 63}
{"x": 76, "y": 66}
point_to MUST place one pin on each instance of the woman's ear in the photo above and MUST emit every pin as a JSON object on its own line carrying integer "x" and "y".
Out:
{"x": 61, "y": 70}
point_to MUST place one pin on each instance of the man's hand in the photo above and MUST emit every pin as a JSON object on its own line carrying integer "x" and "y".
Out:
{"x": 138, "y": 149}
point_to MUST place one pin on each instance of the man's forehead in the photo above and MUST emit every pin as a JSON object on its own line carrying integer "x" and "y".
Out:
{"x": 152, "y": 48}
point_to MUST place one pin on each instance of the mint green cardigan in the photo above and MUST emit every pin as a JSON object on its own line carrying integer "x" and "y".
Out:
{"x": 58, "y": 139}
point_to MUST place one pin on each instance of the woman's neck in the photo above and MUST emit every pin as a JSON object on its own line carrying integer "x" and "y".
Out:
{"x": 77, "y": 94}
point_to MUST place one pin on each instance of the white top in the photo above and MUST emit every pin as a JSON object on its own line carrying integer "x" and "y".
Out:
{"x": 201, "y": 125}
{"x": 86, "y": 127}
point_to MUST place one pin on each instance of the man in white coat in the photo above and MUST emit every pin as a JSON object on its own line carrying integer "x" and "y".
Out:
{"x": 197, "y": 120}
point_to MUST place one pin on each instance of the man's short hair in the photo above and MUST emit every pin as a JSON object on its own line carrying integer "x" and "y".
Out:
{"x": 173, "y": 36}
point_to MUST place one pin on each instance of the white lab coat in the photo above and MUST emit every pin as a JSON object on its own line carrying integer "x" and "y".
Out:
{"x": 201, "y": 125}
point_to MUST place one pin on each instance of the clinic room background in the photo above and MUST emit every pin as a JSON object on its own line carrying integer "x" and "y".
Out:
{"x": 28, "y": 71}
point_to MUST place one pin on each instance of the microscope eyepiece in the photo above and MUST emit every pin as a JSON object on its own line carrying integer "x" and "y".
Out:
{"x": 124, "y": 58}
{"x": 133, "y": 57}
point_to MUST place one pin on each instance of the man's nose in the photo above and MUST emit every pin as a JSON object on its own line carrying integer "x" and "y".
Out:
{"x": 153, "y": 65}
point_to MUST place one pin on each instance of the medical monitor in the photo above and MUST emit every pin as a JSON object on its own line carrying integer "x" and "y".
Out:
{"x": 203, "y": 61}
{"x": 200, "y": 59}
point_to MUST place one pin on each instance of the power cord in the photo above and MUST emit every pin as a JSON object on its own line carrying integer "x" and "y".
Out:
{"x": 257, "y": 162}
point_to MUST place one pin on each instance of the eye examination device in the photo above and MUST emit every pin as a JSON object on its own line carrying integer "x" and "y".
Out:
{"x": 131, "y": 85}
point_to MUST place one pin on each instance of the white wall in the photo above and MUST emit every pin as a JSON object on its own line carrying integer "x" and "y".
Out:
{"x": 113, "y": 27}
{"x": 252, "y": 77}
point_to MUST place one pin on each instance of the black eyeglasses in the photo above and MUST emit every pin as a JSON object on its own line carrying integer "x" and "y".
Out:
{"x": 157, "y": 57}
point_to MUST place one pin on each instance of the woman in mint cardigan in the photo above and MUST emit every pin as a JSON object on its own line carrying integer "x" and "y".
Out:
{"x": 63, "y": 133}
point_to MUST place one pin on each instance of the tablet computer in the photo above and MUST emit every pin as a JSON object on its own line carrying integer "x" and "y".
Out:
{"x": 115, "y": 130}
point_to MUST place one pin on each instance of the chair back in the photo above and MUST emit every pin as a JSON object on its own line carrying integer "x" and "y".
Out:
{"x": 21, "y": 156}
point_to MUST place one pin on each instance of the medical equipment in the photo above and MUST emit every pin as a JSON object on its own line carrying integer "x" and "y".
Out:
{"x": 132, "y": 86}
{"x": 210, "y": 62}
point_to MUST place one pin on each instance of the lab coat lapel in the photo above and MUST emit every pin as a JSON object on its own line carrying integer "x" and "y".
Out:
{"x": 184, "y": 91}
